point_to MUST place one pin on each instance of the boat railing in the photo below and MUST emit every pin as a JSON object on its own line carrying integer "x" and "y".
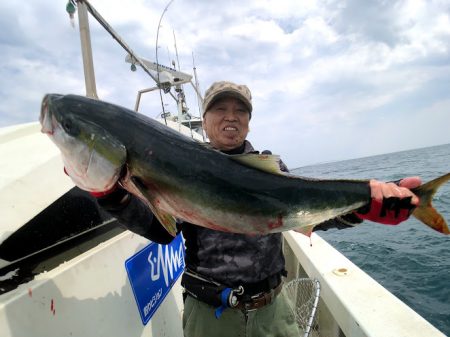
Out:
{"x": 352, "y": 304}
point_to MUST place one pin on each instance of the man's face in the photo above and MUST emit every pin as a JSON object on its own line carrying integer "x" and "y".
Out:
{"x": 226, "y": 123}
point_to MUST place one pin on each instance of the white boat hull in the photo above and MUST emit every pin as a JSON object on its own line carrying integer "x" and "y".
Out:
{"x": 90, "y": 294}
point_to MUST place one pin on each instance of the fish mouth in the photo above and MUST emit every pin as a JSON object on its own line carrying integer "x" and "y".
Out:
{"x": 45, "y": 117}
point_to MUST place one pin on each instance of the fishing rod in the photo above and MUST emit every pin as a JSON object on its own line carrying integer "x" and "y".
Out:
{"x": 158, "y": 65}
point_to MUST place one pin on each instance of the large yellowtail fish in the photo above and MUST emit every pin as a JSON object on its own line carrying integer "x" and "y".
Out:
{"x": 178, "y": 177}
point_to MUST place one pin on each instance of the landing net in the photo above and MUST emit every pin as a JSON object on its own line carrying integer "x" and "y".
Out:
{"x": 304, "y": 294}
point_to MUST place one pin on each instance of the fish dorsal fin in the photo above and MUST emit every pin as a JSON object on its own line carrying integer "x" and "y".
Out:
{"x": 265, "y": 162}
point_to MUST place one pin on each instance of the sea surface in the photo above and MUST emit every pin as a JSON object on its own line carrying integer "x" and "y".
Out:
{"x": 411, "y": 260}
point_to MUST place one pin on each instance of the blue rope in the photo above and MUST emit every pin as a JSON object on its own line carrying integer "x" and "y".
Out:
{"x": 224, "y": 295}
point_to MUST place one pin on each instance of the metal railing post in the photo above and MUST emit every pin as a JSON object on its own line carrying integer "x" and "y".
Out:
{"x": 86, "y": 49}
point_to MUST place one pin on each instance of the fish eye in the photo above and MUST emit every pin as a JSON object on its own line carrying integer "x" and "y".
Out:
{"x": 67, "y": 125}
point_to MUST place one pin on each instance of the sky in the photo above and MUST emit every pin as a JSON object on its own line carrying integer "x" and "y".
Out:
{"x": 331, "y": 80}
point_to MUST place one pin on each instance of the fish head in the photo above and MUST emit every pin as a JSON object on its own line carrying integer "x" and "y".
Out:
{"x": 92, "y": 157}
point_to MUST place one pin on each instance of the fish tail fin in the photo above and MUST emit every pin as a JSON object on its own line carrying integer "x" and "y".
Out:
{"x": 425, "y": 211}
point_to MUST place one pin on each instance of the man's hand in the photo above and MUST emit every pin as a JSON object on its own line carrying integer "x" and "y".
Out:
{"x": 392, "y": 202}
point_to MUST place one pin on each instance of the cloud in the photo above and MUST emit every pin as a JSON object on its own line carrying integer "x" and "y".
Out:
{"x": 327, "y": 77}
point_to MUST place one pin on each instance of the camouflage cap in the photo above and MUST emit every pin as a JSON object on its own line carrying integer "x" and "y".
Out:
{"x": 223, "y": 89}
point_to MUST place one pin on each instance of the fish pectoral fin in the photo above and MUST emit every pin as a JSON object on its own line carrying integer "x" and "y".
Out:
{"x": 264, "y": 162}
{"x": 167, "y": 220}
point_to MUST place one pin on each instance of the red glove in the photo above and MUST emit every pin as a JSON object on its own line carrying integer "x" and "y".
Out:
{"x": 392, "y": 202}
{"x": 391, "y": 211}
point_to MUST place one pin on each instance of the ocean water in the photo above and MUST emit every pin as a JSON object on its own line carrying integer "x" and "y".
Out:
{"x": 411, "y": 260}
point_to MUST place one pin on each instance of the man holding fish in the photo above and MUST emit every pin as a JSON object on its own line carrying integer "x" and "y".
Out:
{"x": 233, "y": 280}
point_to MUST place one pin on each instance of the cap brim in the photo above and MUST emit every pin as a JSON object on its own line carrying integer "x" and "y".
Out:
{"x": 229, "y": 93}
